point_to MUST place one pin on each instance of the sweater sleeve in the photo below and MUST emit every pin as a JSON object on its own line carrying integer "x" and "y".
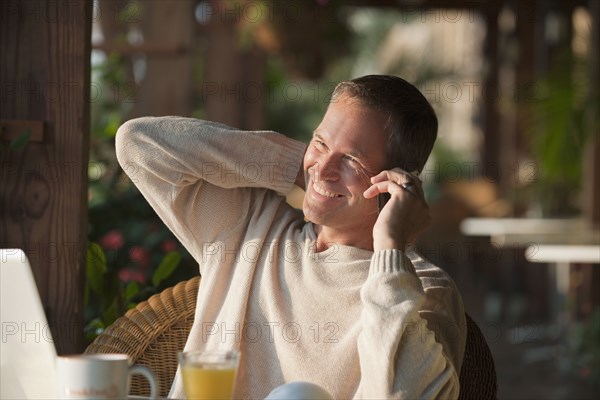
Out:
{"x": 399, "y": 356}
{"x": 197, "y": 174}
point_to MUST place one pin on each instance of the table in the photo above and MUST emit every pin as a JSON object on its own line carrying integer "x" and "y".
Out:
{"x": 498, "y": 226}
{"x": 564, "y": 253}
{"x": 557, "y": 241}
{"x": 521, "y": 232}
{"x": 561, "y": 256}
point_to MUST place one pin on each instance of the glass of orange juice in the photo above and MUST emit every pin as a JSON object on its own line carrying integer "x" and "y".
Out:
{"x": 209, "y": 374}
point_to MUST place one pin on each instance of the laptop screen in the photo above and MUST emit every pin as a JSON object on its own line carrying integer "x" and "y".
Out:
{"x": 27, "y": 352}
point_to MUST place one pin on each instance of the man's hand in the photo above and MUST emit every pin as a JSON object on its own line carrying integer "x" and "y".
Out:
{"x": 406, "y": 214}
{"x": 301, "y": 179}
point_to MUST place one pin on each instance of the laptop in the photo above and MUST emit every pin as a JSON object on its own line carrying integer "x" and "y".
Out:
{"x": 27, "y": 351}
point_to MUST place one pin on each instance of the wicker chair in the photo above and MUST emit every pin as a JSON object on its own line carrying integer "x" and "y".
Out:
{"x": 153, "y": 332}
{"x": 478, "y": 371}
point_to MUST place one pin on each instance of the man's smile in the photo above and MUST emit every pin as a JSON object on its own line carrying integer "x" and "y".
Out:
{"x": 323, "y": 192}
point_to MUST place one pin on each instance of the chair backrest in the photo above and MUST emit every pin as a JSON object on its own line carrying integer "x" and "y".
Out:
{"x": 478, "y": 373}
{"x": 152, "y": 333}
{"x": 155, "y": 330}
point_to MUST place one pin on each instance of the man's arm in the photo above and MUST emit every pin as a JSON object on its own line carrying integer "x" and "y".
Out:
{"x": 400, "y": 356}
{"x": 404, "y": 348}
{"x": 186, "y": 169}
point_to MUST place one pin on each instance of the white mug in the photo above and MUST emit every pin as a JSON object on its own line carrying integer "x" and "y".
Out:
{"x": 99, "y": 376}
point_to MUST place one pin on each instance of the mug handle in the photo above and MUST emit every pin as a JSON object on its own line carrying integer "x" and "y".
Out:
{"x": 149, "y": 375}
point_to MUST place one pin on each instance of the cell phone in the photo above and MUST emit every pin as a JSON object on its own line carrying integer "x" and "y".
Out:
{"x": 382, "y": 199}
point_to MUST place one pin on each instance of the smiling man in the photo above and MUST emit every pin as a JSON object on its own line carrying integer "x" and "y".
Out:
{"x": 333, "y": 295}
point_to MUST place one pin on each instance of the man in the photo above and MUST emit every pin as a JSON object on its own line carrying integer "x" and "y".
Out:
{"x": 334, "y": 295}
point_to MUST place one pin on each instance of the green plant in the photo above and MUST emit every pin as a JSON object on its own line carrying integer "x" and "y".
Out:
{"x": 564, "y": 117}
{"x": 107, "y": 296}
{"x": 131, "y": 253}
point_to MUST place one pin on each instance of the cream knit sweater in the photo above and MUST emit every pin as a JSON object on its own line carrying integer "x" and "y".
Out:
{"x": 358, "y": 323}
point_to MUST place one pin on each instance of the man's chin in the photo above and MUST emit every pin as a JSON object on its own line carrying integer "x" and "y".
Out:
{"x": 312, "y": 215}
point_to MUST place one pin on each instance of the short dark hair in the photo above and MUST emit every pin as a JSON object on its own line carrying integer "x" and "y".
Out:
{"x": 412, "y": 123}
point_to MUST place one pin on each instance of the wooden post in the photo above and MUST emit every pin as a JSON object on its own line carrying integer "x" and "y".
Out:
{"x": 527, "y": 19}
{"x": 491, "y": 145}
{"x": 232, "y": 90}
{"x": 591, "y": 170}
{"x": 45, "y": 78}
{"x": 166, "y": 88}
{"x": 592, "y": 160}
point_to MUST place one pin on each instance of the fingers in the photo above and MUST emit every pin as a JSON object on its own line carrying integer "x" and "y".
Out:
{"x": 394, "y": 188}
{"x": 390, "y": 180}
{"x": 394, "y": 174}
{"x": 381, "y": 187}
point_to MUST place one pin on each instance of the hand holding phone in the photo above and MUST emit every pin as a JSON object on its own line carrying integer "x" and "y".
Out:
{"x": 401, "y": 218}
{"x": 383, "y": 198}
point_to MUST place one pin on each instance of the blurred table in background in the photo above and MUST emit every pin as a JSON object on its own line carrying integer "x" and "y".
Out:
{"x": 561, "y": 243}
{"x": 518, "y": 232}
{"x": 573, "y": 265}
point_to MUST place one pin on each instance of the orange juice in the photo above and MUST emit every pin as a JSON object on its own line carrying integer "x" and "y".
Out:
{"x": 208, "y": 381}
{"x": 208, "y": 374}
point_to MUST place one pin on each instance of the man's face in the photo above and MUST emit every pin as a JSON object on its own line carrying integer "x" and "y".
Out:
{"x": 347, "y": 149}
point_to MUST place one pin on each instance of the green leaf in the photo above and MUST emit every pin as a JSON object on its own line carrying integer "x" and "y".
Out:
{"x": 166, "y": 267}
{"x": 131, "y": 290}
{"x": 93, "y": 329}
{"x": 20, "y": 141}
{"x": 111, "y": 288}
{"x": 96, "y": 267}
{"x": 110, "y": 314}
{"x": 86, "y": 295}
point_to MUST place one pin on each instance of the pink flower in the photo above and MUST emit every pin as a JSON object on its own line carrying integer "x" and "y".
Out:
{"x": 140, "y": 255}
{"x": 130, "y": 274}
{"x": 112, "y": 240}
{"x": 169, "y": 245}
{"x": 585, "y": 372}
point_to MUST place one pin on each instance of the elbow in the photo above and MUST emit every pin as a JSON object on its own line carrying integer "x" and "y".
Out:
{"x": 445, "y": 385}
{"x": 127, "y": 139}
{"x": 450, "y": 389}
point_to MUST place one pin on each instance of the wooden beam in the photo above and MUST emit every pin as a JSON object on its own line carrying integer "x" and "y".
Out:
{"x": 420, "y": 4}
{"x": 45, "y": 76}
{"x": 490, "y": 156}
{"x": 441, "y": 4}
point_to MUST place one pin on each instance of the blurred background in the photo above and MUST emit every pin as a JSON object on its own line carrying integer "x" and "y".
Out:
{"x": 512, "y": 181}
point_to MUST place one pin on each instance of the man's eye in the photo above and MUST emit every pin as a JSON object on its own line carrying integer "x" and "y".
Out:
{"x": 351, "y": 159}
{"x": 318, "y": 143}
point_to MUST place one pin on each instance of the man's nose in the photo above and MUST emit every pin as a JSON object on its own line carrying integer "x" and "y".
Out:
{"x": 328, "y": 169}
